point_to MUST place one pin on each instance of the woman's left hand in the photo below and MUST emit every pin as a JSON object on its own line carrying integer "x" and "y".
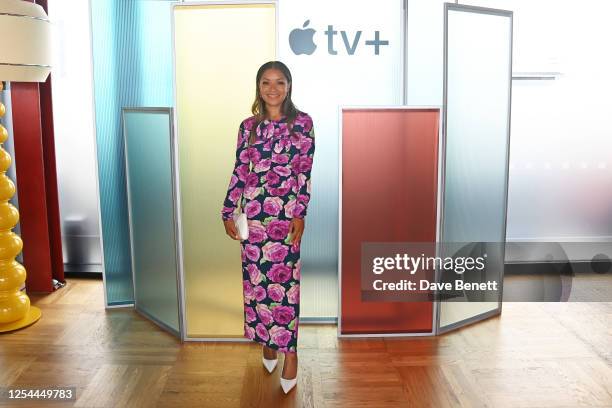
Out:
{"x": 296, "y": 229}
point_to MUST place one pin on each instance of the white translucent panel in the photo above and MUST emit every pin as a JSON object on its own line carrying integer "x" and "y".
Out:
{"x": 477, "y": 92}
{"x": 341, "y": 70}
{"x": 72, "y": 87}
{"x": 477, "y": 127}
{"x": 424, "y": 52}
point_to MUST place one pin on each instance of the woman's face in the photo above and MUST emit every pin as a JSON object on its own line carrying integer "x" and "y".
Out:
{"x": 273, "y": 87}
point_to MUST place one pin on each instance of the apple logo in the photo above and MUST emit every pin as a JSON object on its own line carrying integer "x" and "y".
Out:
{"x": 301, "y": 41}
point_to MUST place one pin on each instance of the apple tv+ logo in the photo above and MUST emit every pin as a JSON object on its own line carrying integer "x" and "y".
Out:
{"x": 301, "y": 41}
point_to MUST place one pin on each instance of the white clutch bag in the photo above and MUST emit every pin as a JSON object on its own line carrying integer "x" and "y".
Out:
{"x": 240, "y": 220}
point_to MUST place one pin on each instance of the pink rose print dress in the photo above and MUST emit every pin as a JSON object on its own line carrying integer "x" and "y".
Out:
{"x": 276, "y": 190}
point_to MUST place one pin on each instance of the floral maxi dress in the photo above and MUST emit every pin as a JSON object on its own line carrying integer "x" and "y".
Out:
{"x": 275, "y": 189}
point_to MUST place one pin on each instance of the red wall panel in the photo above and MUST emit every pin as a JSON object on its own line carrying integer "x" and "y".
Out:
{"x": 29, "y": 162}
{"x": 52, "y": 195}
{"x": 389, "y": 194}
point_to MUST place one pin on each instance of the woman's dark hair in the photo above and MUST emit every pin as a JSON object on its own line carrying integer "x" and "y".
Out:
{"x": 259, "y": 106}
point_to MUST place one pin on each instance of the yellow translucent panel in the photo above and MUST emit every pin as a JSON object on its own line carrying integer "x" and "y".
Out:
{"x": 218, "y": 49}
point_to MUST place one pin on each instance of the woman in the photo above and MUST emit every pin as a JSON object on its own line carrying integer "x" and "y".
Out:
{"x": 272, "y": 173}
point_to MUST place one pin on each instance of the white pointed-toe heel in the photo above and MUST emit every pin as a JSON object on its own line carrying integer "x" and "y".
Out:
{"x": 269, "y": 364}
{"x": 287, "y": 385}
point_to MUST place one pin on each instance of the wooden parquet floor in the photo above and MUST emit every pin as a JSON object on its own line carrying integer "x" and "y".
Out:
{"x": 533, "y": 355}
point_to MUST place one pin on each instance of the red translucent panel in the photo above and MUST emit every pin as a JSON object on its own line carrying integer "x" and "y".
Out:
{"x": 389, "y": 194}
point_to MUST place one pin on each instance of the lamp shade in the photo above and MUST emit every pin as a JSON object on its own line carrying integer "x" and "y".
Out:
{"x": 25, "y": 46}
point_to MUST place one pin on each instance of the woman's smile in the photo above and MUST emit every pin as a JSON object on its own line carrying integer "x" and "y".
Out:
{"x": 273, "y": 87}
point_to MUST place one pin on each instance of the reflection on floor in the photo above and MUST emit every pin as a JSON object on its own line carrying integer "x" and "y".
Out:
{"x": 533, "y": 355}
{"x": 557, "y": 285}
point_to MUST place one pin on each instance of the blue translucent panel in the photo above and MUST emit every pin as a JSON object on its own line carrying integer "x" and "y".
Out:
{"x": 132, "y": 59}
{"x": 148, "y": 142}
{"x": 478, "y": 83}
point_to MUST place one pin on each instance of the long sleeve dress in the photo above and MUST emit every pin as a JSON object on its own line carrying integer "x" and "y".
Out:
{"x": 276, "y": 190}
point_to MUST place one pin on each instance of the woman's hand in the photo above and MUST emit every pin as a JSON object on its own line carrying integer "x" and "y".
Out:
{"x": 296, "y": 229}
{"x": 230, "y": 229}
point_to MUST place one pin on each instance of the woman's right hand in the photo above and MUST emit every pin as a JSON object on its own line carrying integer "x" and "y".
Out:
{"x": 230, "y": 229}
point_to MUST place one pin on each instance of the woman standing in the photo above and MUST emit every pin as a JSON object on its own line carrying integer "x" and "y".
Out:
{"x": 272, "y": 174}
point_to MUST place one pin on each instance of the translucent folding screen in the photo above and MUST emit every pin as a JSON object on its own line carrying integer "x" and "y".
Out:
{"x": 389, "y": 193}
{"x": 149, "y": 169}
{"x": 218, "y": 49}
{"x": 478, "y": 70}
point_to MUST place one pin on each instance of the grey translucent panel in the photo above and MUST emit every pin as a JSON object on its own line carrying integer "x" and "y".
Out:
{"x": 365, "y": 76}
{"x": 478, "y": 55}
{"x": 424, "y": 56}
{"x": 149, "y": 171}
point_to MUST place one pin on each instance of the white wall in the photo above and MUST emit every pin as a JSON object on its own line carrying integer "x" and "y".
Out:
{"x": 560, "y": 186}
